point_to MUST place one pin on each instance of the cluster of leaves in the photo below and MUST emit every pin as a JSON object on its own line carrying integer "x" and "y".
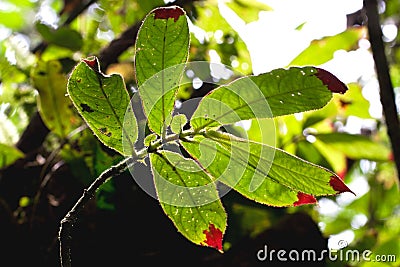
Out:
{"x": 29, "y": 83}
{"x": 186, "y": 186}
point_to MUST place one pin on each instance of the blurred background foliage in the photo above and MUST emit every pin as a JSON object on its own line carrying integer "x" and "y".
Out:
{"x": 40, "y": 42}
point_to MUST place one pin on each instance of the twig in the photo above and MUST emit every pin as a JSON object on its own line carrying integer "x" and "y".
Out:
{"x": 70, "y": 219}
{"x": 386, "y": 88}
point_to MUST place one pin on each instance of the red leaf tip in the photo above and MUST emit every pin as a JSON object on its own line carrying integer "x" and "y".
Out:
{"x": 92, "y": 63}
{"x": 213, "y": 237}
{"x": 334, "y": 84}
{"x": 303, "y": 198}
{"x": 173, "y": 12}
{"x": 338, "y": 185}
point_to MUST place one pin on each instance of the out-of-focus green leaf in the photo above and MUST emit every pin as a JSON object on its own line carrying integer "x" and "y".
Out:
{"x": 248, "y": 10}
{"x": 355, "y": 146}
{"x": 253, "y": 220}
{"x": 104, "y": 196}
{"x": 121, "y": 14}
{"x": 262, "y": 131}
{"x": 161, "y": 51}
{"x": 221, "y": 37}
{"x": 103, "y": 101}
{"x": 309, "y": 152}
{"x": 353, "y": 103}
{"x": 63, "y": 36}
{"x": 55, "y": 107}
{"x": 12, "y": 20}
{"x": 335, "y": 158}
{"x": 8, "y": 155}
{"x": 321, "y": 51}
{"x": 189, "y": 198}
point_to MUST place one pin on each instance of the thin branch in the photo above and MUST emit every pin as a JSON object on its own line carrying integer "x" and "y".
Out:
{"x": 110, "y": 54}
{"x": 386, "y": 88}
{"x": 70, "y": 219}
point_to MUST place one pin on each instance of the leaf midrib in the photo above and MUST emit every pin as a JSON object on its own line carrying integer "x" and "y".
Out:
{"x": 99, "y": 79}
{"x": 196, "y": 207}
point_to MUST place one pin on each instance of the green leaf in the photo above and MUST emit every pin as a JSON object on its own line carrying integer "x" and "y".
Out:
{"x": 189, "y": 198}
{"x": 63, "y": 36}
{"x": 259, "y": 127}
{"x": 13, "y": 19}
{"x": 161, "y": 51}
{"x": 260, "y": 172}
{"x": 309, "y": 152}
{"x": 177, "y": 123}
{"x": 54, "y": 106}
{"x": 322, "y": 50}
{"x": 8, "y": 155}
{"x": 103, "y": 102}
{"x": 276, "y": 93}
{"x": 336, "y": 159}
{"x": 353, "y": 102}
{"x": 248, "y": 9}
{"x": 230, "y": 46}
{"x": 355, "y": 146}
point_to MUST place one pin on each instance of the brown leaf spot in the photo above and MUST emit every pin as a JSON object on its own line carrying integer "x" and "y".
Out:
{"x": 173, "y": 12}
{"x": 334, "y": 84}
{"x": 104, "y": 131}
{"x": 86, "y": 108}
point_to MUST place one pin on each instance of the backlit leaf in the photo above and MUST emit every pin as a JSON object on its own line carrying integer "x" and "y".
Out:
{"x": 54, "y": 106}
{"x": 103, "y": 102}
{"x": 63, "y": 36}
{"x": 276, "y": 93}
{"x": 162, "y": 48}
{"x": 322, "y": 50}
{"x": 263, "y": 173}
{"x": 8, "y": 155}
{"x": 248, "y": 9}
{"x": 355, "y": 146}
{"x": 189, "y": 198}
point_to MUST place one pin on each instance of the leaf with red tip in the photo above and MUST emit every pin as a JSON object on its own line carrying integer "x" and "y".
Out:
{"x": 213, "y": 237}
{"x": 260, "y": 172}
{"x": 92, "y": 63}
{"x": 272, "y": 94}
{"x": 103, "y": 101}
{"x": 161, "y": 52}
{"x": 304, "y": 199}
{"x": 334, "y": 84}
{"x": 173, "y": 12}
{"x": 189, "y": 197}
{"x": 337, "y": 184}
